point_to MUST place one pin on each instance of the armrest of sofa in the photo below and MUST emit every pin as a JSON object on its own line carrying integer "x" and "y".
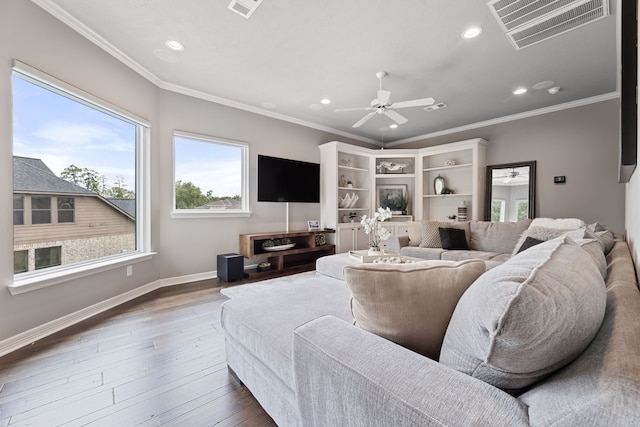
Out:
{"x": 347, "y": 376}
{"x": 394, "y": 243}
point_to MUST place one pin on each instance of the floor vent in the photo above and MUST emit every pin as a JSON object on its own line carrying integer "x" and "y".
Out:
{"x": 244, "y": 7}
{"x": 527, "y": 22}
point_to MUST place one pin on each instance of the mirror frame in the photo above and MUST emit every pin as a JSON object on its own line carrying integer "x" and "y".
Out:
{"x": 532, "y": 186}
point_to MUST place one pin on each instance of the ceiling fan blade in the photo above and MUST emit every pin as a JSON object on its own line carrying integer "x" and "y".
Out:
{"x": 364, "y": 119}
{"x": 396, "y": 117}
{"x": 338, "y": 110}
{"x": 383, "y": 97}
{"x": 413, "y": 103}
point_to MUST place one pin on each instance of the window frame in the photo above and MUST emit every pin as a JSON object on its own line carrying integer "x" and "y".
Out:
{"x": 244, "y": 211}
{"x": 503, "y": 209}
{"x": 65, "y": 211}
{"x": 38, "y": 279}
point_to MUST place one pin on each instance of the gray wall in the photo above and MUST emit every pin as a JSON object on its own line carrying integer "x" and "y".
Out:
{"x": 183, "y": 246}
{"x": 580, "y": 143}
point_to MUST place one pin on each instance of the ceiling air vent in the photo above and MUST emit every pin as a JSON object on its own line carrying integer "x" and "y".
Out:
{"x": 244, "y": 7}
{"x": 526, "y": 22}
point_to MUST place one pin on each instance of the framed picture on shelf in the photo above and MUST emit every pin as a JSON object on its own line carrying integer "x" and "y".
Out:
{"x": 313, "y": 225}
{"x": 394, "y": 197}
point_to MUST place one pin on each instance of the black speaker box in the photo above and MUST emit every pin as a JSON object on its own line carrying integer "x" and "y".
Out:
{"x": 230, "y": 267}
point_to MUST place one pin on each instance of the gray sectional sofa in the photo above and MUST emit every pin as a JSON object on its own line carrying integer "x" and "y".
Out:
{"x": 298, "y": 351}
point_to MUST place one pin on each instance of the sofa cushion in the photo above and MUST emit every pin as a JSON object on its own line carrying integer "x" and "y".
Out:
{"x": 423, "y": 253}
{"x": 593, "y": 248}
{"x": 461, "y": 255}
{"x": 414, "y": 230}
{"x": 453, "y": 238}
{"x": 604, "y": 237}
{"x": 528, "y": 317}
{"x": 498, "y": 237}
{"x": 409, "y": 304}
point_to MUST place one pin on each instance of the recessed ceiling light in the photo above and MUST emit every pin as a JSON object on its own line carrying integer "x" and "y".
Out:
{"x": 520, "y": 91}
{"x": 554, "y": 90}
{"x": 471, "y": 32}
{"x": 393, "y": 126}
{"x": 174, "y": 45}
{"x": 325, "y": 101}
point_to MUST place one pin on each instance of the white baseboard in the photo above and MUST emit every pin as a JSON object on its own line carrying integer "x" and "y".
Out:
{"x": 28, "y": 337}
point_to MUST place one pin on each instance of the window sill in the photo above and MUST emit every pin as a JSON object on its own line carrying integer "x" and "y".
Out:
{"x": 42, "y": 279}
{"x": 197, "y": 213}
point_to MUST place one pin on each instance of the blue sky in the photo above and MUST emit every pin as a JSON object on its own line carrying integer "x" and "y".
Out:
{"x": 62, "y": 132}
{"x": 213, "y": 167}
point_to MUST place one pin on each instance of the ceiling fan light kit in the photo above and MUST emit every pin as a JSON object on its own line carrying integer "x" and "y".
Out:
{"x": 380, "y": 105}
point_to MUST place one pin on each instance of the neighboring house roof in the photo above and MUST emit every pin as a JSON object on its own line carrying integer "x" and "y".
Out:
{"x": 222, "y": 204}
{"x": 126, "y": 205}
{"x": 33, "y": 175}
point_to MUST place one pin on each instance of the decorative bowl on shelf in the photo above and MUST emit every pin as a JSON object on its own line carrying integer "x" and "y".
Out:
{"x": 272, "y": 245}
{"x": 449, "y": 162}
{"x": 279, "y": 247}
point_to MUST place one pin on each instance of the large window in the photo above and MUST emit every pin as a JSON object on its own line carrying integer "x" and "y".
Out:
{"x": 75, "y": 158}
{"x": 210, "y": 176}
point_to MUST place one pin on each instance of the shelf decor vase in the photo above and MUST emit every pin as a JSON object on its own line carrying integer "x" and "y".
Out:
{"x": 438, "y": 184}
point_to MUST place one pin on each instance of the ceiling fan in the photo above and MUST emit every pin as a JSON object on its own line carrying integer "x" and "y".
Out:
{"x": 381, "y": 105}
{"x": 509, "y": 176}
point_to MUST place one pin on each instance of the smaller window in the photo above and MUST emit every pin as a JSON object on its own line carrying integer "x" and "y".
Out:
{"x": 522, "y": 208}
{"x": 20, "y": 261}
{"x": 210, "y": 175}
{"x": 66, "y": 209}
{"x": 48, "y": 257}
{"x": 18, "y": 210}
{"x": 498, "y": 210}
{"x": 40, "y": 210}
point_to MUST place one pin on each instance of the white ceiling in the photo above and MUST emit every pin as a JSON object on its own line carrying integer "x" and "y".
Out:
{"x": 293, "y": 53}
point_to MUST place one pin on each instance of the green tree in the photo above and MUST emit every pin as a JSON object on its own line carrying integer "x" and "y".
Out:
{"x": 119, "y": 190}
{"x": 189, "y": 196}
{"x": 87, "y": 178}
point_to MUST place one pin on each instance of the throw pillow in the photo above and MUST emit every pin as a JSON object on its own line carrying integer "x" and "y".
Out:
{"x": 524, "y": 319}
{"x": 414, "y": 230}
{"x": 562, "y": 223}
{"x": 453, "y": 238}
{"x": 605, "y": 237}
{"x": 544, "y": 234}
{"x": 431, "y": 235}
{"x": 409, "y": 304}
{"x": 529, "y": 242}
{"x": 594, "y": 249}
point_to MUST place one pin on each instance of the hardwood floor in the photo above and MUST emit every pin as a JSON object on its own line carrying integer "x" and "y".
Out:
{"x": 157, "y": 360}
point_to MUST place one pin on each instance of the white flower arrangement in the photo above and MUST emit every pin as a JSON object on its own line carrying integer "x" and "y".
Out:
{"x": 372, "y": 226}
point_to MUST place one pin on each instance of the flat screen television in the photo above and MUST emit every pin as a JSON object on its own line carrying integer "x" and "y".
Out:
{"x": 628, "y": 90}
{"x": 285, "y": 180}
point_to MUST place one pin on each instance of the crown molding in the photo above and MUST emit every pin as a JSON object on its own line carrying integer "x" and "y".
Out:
{"x": 552, "y": 109}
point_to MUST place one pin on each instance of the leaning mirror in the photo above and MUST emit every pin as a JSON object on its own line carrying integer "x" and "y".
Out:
{"x": 510, "y": 192}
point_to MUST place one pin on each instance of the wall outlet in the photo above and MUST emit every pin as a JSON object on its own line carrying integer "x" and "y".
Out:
{"x": 129, "y": 270}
